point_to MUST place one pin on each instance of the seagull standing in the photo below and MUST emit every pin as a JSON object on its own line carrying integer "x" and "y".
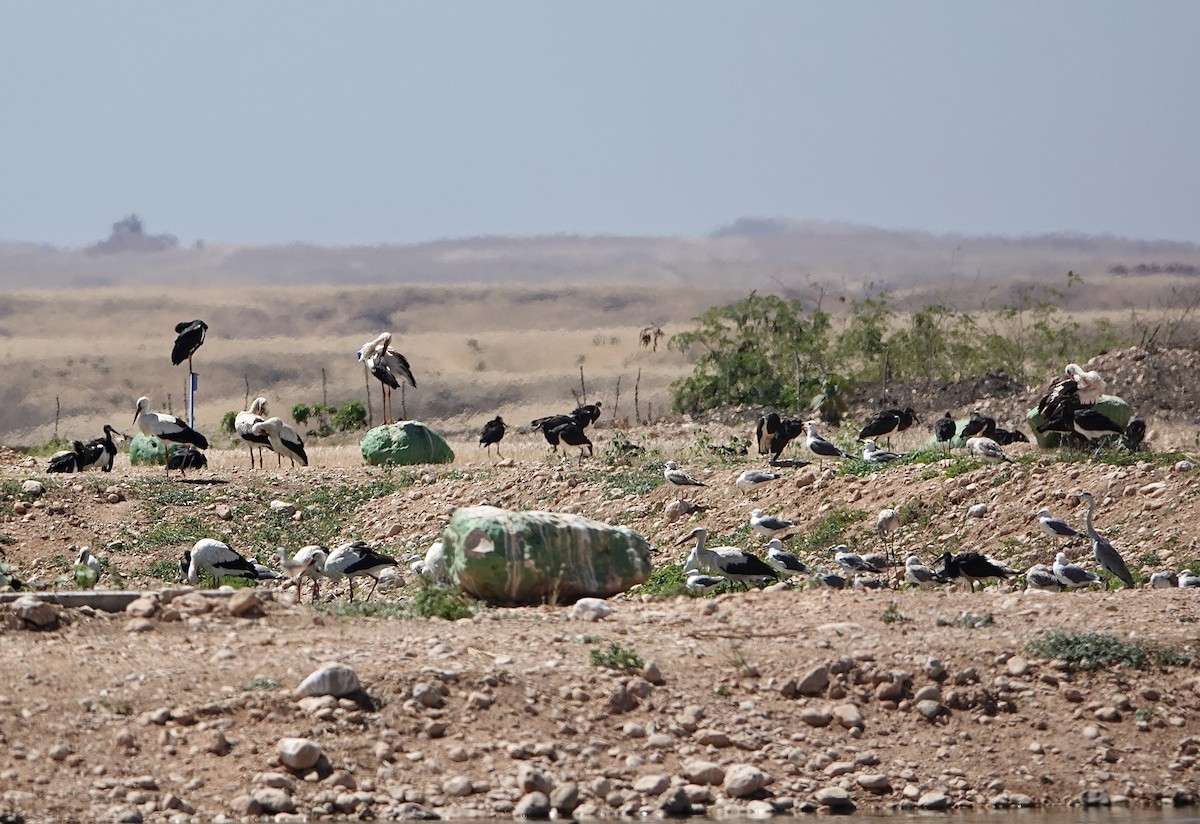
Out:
{"x": 1055, "y": 527}
{"x": 1108, "y": 558}
{"x": 784, "y": 562}
{"x": 820, "y": 447}
{"x": 753, "y": 478}
{"x": 283, "y": 439}
{"x": 830, "y": 579}
{"x": 493, "y": 433}
{"x": 166, "y": 428}
{"x": 768, "y": 525}
{"x": 217, "y": 559}
{"x": 919, "y": 574}
{"x": 852, "y": 561}
{"x": 388, "y": 366}
{"x": 677, "y": 476}
{"x": 987, "y": 449}
{"x": 1072, "y": 575}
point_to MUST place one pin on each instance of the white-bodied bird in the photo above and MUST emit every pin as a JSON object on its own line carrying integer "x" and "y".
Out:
{"x": 283, "y": 439}
{"x": 768, "y": 525}
{"x": 166, "y": 428}
{"x": 784, "y": 562}
{"x": 217, "y": 559}
{"x": 1072, "y": 575}
{"x": 677, "y": 477}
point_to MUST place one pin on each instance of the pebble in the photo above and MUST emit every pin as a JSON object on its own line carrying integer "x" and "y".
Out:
{"x": 835, "y": 798}
{"x": 458, "y": 786}
{"x": 271, "y": 800}
{"x": 35, "y": 612}
{"x": 33, "y": 487}
{"x": 703, "y": 772}
{"x": 816, "y": 716}
{"x": 283, "y": 507}
{"x": 930, "y": 709}
{"x": 977, "y": 511}
{"x": 848, "y": 715}
{"x": 933, "y": 801}
{"x": 245, "y": 603}
{"x": 875, "y": 782}
{"x": 814, "y": 681}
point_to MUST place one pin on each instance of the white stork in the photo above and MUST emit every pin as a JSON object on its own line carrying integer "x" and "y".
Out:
{"x": 729, "y": 561}
{"x": 166, "y": 428}
{"x": 355, "y": 560}
{"x": 283, "y": 439}
{"x": 388, "y": 366}
{"x": 217, "y": 559}
{"x": 244, "y": 421}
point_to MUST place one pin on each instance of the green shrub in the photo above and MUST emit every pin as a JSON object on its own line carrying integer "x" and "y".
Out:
{"x": 1091, "y": 650}
{"x": 616, "y": 657}
{"x": 432, "y": 601}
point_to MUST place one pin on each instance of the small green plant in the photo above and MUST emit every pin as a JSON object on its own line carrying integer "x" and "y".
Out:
{"x": 1171, "y": 658}
{"x": 261, "y": 683}
{"x": 831, "y": 529}
{"x": 50, "y": 447}
{"x": 228, "y": 422}
{"x": 1141, "y": 715}
{"x": 664, "y": 582}
{"x": 892, "y": 615}
{"x": 350, "y": 417}
{"x": 365, "y": 609}
{"x": 432, "y": 601}
{"x": 1091, "y": 650}
{"x": 968, "y": 620}
{"x": 616, "y": 657}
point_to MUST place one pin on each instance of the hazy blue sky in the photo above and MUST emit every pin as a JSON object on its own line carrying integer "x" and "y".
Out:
{"x": 367, "y": 122}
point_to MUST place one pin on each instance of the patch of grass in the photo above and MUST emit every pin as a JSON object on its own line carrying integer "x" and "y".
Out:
{"x": 616, "y": 657}
{"x": 968, "y": 620}
{"x": 960, "y": 465}
{"x": 892, "y": 615}
{"x": 365, "y": 609}
{"x": 665, "y": 582}
{"x": 164, "y": 569}
{"x": 168, "y": 531}
{"x": 831, "y": 529}
{"x": 261, "y": 683}
{"x": 49, "y": 447}
{"x": 637, "y": 480}
{"x": 1171, "y": 658}
{"x": 432, "y": 601}
{"x": 1091, "y": 650}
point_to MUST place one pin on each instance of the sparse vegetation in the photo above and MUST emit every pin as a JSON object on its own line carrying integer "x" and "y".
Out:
{"x": 616, "y": 657}
{"x": 892, "y": 615}
{"x": 1090, "y": 650}
{"x": 432, "y": 601}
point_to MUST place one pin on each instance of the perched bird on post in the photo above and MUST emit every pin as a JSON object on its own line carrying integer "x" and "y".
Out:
{"x": 190, "y": 336}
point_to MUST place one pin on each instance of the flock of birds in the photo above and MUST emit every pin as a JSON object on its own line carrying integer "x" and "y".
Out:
{"x": 252, "y": 426}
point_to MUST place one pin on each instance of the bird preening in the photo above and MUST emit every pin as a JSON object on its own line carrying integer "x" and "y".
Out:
{"x": 388, "y": 366}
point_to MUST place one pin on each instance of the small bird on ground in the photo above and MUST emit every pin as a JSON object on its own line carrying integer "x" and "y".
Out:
{"x": 987, "y": 449}
{"x": 768, "y": 525}
{"x": 873, "y": 454}
{"x": 754, "y": 478}
{"x": 1041, "y": 578}
{"x": 678, "y": 477}
{"x": 919, "y": 574}
{"x": 1072, "y": 575}
{"x": 784, "y": 562}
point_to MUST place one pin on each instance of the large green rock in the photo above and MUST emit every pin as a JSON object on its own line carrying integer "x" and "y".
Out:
{"x": 505, "y": 557}
{"x": 405, "y": 443}
{"x": 1110, "y": 406}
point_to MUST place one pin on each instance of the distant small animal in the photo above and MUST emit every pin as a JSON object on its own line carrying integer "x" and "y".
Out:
{"x": 887, "y": 423}
{"x": 678, "y": 477}
{"x": 944, "y": 429}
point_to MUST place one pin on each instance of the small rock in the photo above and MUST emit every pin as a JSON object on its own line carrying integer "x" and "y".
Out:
{"x": 36, "y": 612}
{"x": 298, "y": 754}
{"x": 933, "y": 801}
{"x": 742, "y": 780}
{"x": 875, "y": 782}
{"x": 565, "y": 798}
{"x": 245, "y": 603}
{"x": 33, "y": 487}
{"x": 977, "y": 511}
{"x": 591, "y": 609}
{"x": 283, "y": 507}
{"x": 652, "y": 673}
{"x": 143, "y": 607}
{"x": 532, "y": 805}
{"x": 835, "y": 798}
{"x": 705, "y": 773}
{"x": 458, "y": 786}
{"x": 816, "y": 716}
{"x": 1095, "y": 798}
{"x": 848, "y": 715}
{"x": 930, "y": 709}
{"x": 530, "y": 779}
{"x": 428, "y": 695}
{"x": 479, "y": 701}
{"x": 272, "y": 800}
{"x": 651, "y": 784}
{"x": 814, "y": 681}
{"x": 331, "y": 679}
{"x": 1016, "y": 666}
{"x": 223, "y": 512}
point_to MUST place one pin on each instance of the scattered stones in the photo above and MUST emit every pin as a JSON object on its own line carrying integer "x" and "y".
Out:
{"x": 875, "y": 782}
{"x": 816, "y": 716}
{"x": 1095, "y": 798}
{"x": 933, "y": 801}
{"x": 331, "y": 679}
{"x": 143, "y": 607}
{"x": 532, "y": 805}
{"x": 930, "y": 709}
{"x": 835, "y": 798}
{"x": 565, "y": 798}
{"x": 271, "y": 801}
{"x": 458, "y": 786}
{"x": 531, "y": 779}
{"x": 36, "y": 613}
{"x": 283, "y": 508}
{"x": 848, "y": 715}
{"x": 704, "y": 773}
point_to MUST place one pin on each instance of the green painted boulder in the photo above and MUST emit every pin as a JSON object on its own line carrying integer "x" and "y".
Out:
{"x": 146, "y": 450}
{"x": 404, "y": 444}
{"x": 508, "y": 558}
{"x": 1110, "y": 406}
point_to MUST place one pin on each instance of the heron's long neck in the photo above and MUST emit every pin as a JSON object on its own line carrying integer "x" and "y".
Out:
{"x": 1091, "y": 529}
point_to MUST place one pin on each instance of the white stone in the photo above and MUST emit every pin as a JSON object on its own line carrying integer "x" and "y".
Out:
{"x": 591, "y": 609}
{"x": 331, "y": 679}
{"x": 298, "y": 753}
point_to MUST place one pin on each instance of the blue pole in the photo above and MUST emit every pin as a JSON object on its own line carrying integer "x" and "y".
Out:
{"x": 192, "y": 400}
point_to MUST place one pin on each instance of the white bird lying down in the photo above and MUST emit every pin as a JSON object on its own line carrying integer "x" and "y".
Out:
{"x": 1072, "y": 575}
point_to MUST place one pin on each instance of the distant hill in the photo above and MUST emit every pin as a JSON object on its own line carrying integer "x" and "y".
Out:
{"x": 750, "y": 252}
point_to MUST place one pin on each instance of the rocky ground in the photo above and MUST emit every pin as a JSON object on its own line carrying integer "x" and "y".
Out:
{"x": 777, "y": 701}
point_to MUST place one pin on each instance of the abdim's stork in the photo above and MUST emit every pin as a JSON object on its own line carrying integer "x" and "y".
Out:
{"x": 186, "y": 457}
{"x": 244, "y": 421}
{"x": 190, "y": 335}
{"x": 67, "y": 460}
{"x": 571, "y": 434}
{"x": 217, "y": 559}
{"x": 493, "y": 433}
{"x": 774, "y": 433}
{"x": 388, "y": 366}
{"x": 888, "y": 422}
{"x": 356, "y": 560}
{"x": 1105, "y": 555}
{"x": 166, "y": 428}
{"x": 283, "y": 439}
{"x": 587, "y": 413}
{"x": 100, "y": 451}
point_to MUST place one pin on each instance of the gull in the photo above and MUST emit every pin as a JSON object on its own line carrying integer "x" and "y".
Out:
{"x": 830, "y": 579}
{"x": 678, "y": 477}
{"x": 784, "y": 562}
{"x": 873, "y": 454}
{"x": 1108, "y": 558}
{"x": 735, "y": 564}
{"x": 699, "y": 583}
{"x": 919, "y": 574}
{"x": 1188, "y": 579}
{"x": 87, "y": 559}
{"x": 1041, "y": 578}
{"x": 851, "y": 560}
{"x": 1055, "y": 527}
{"x": 753, "y": 478}
{"x": 1164, "y": 580}
{"x": 865, "y": 582}
{"x": 1072, "y": 575}
{"x": 768, "y": 525}
{"x": 987, "y": 449}
{"x": 820, "y": 447}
